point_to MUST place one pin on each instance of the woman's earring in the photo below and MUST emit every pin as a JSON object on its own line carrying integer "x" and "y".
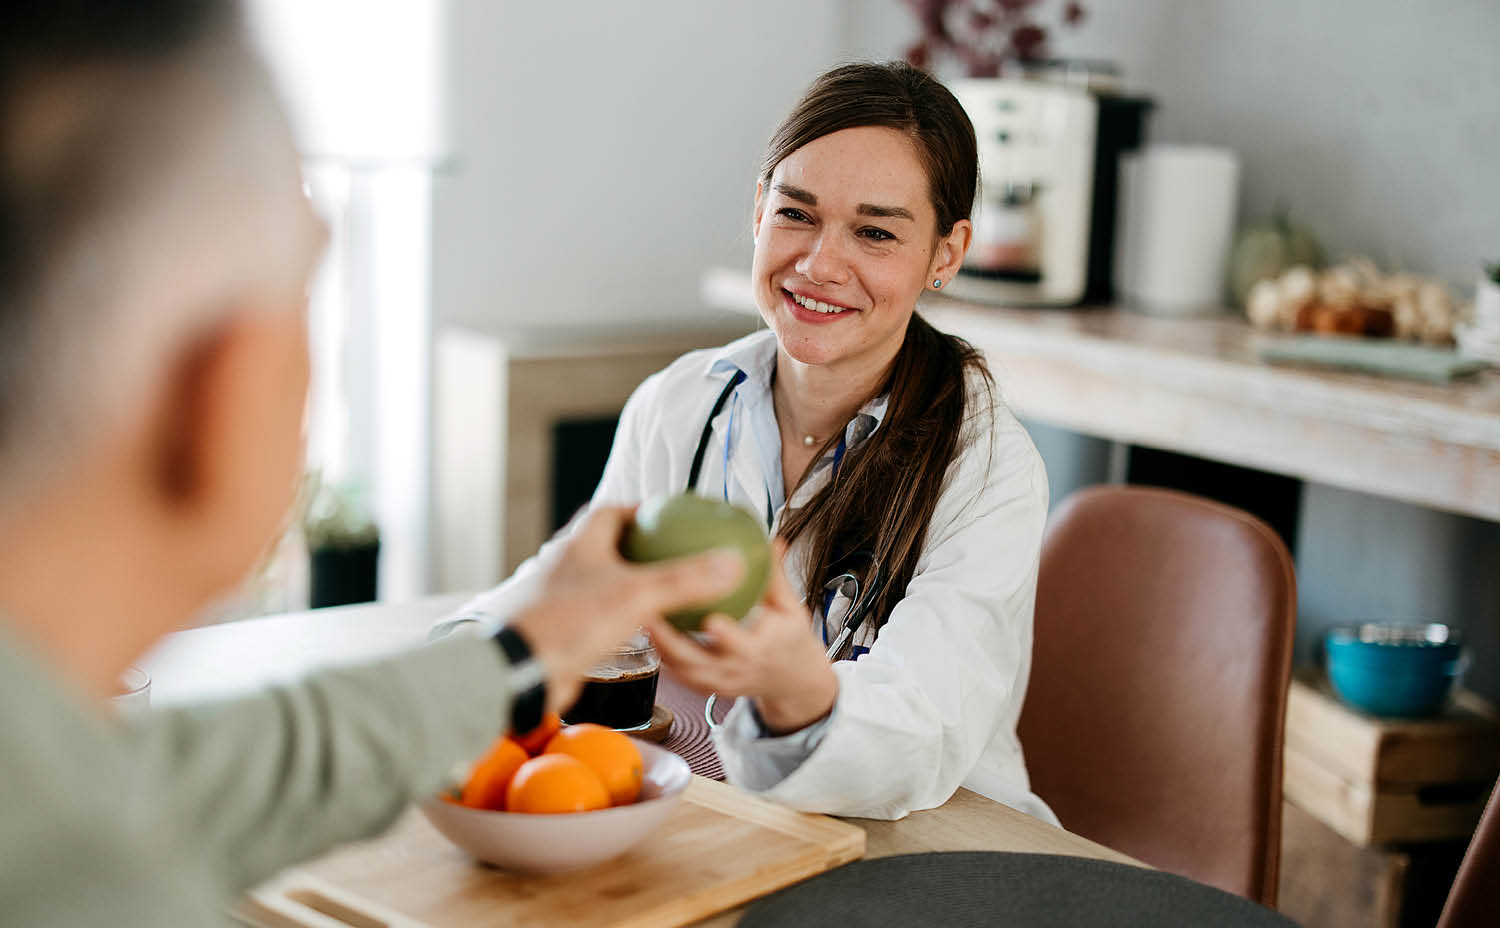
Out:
{"x": 937, "y": 284}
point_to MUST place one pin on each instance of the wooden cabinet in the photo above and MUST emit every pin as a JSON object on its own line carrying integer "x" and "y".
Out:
{"x": 498, "y": 397}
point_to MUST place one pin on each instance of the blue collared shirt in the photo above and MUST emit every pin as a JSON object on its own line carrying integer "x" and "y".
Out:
{"x": 750, "y": 416}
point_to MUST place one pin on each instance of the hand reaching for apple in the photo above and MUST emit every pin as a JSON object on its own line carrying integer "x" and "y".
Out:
{"x": 593, "y": 599}
{"x": 771, "y": 657}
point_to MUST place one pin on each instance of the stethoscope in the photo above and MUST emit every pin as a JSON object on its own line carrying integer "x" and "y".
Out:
{"x": 846, "y": 582}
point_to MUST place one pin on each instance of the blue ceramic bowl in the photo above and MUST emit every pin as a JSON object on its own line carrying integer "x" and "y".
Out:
{"x": 1397, "y": 671}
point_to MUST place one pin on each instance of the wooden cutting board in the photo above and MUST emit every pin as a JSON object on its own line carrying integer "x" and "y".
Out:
{"x": 720, "y": 848}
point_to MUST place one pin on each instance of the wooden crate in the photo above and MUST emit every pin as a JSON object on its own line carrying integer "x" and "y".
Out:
{"x": 1327, "y": 882}
{"x": 1384, "y": 781}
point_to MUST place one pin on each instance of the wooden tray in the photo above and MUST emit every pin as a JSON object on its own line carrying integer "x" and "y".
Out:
{"x": 720, "y": 848}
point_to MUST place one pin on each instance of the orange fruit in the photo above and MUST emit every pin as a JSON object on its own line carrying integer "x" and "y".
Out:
{"x": 536, "y": 739}
{"x": 611, "y": 755}
{"x": 555, "y": 783}
{"x": 492, "y": 775}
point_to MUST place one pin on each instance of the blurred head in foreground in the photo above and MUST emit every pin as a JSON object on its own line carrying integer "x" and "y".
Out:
{"x": 155, "y": 248}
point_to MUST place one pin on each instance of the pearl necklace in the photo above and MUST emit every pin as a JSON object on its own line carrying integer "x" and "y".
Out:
{"x": 808, "y": 441}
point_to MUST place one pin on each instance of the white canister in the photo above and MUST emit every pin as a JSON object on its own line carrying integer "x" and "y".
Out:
{"x": 1176, "y": 221}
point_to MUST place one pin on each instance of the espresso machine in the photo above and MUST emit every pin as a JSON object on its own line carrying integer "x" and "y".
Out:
{"x": 1044, "y": 220}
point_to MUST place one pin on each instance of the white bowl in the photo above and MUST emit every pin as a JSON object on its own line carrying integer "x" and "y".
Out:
{"x": 572, "y": 841}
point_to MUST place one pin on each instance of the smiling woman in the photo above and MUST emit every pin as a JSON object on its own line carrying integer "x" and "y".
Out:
{"x": 837, "y": 279}
{"x": 907, "y": 500}
{"x": 828, "y": 259}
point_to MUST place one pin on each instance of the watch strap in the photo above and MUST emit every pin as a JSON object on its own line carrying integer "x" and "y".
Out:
{"x": 526, "y": 681}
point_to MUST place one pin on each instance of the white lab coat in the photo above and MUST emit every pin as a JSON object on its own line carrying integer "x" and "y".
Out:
{"x": 933, "y": 705}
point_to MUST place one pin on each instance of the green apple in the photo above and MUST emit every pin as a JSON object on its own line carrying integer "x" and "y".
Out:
{"x": 667, "y": 527}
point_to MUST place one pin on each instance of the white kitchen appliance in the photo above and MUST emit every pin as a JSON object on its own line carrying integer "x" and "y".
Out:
{"x": 1044, "y": 221}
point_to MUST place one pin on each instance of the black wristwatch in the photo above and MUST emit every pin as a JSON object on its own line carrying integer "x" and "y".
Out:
{"x": 526, "y": 681}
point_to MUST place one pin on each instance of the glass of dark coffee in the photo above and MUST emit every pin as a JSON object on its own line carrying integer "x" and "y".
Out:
{"x": 619, "y": 692}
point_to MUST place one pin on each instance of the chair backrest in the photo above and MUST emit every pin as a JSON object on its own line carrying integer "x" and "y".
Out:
{"x": 1476, "y": 890}
{"x": 1154, "y": 719}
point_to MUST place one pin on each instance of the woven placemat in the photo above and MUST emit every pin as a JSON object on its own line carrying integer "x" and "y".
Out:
{"x": 658, "y": 729}
{"x": 689, "y": 737}
{"x": 990, "y": 888}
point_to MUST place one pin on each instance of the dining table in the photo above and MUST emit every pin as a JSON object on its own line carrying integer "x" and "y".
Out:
{"x": 222, "y": 660}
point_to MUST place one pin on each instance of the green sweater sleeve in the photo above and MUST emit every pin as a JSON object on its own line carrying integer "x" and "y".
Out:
{"x": 249, "y": 786}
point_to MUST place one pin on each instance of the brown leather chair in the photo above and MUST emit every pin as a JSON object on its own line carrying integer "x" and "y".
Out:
{"x": 1154, "y": 718}
{"x": 1475, "y": 897}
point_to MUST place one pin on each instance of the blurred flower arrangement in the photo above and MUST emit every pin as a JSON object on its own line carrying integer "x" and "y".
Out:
{"x": 985, "y": 36}
{"x": 1355, "y": 298}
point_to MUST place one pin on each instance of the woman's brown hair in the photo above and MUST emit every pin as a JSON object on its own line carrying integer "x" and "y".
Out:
{"x": 882, "y": 497}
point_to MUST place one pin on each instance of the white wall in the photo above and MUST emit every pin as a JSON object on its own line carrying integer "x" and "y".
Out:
{"x": 1378, "y": 122}
{"x": 606, "y": 152}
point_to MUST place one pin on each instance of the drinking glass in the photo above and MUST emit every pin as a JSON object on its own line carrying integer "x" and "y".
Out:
{"x": 619, "y": 692}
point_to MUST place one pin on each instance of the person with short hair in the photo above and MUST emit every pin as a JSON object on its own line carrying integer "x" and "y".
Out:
{"x": 155, "y": 248}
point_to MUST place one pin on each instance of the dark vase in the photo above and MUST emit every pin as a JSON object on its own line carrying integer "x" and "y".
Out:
{"x": 343, "y": 575}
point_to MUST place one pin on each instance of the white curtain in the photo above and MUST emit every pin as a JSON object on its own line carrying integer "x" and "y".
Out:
{"x": 364, "y": 84}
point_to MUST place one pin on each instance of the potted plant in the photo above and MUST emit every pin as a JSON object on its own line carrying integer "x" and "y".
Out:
{"x": 343, "y": 545}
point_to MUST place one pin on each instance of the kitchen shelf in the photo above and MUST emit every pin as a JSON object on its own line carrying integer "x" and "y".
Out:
{"x": 1196, "y": 386}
